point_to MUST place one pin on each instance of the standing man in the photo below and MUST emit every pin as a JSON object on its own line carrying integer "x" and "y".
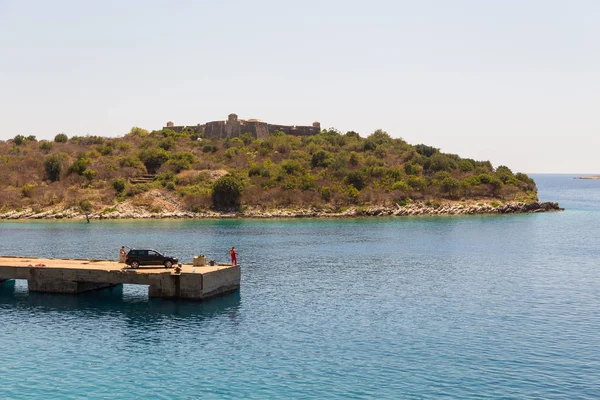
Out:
{"x": 233, "y": 258}
{"x": 122, "y": 254}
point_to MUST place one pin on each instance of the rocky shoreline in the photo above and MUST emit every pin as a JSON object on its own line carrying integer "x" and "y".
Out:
{"x": 411, "y": 209}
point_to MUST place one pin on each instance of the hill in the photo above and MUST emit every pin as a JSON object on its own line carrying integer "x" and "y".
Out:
{"x": 182, "y": 174}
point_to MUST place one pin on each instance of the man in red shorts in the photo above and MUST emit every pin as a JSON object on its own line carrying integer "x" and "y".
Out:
{"x": 233, "y": 258}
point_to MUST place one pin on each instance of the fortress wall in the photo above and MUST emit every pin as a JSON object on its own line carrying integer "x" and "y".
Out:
{"x": 295, "y": 130}
{"x": 305, "y": 130}
{"x": 283, "y": 128}
{"x": 234, "y": 128}
{"x": 177, "y": 129}
{"x": 262, "y": 130}
{"x": 259, "y": 130}
{"x": 215, "y": 129}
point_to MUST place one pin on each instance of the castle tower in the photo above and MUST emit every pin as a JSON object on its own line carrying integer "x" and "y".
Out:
{"x": 232, "y": 118}
{"x": 170, "y": 124}
{"x": 317, "y": 125}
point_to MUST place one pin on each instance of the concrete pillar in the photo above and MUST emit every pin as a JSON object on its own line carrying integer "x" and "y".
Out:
{"x": 173, "y": 286}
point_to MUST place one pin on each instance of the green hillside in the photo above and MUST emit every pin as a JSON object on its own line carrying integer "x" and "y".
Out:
{"x": 329, "y": 170}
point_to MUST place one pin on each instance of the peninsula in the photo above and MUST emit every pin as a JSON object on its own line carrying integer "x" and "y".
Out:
{"x": 249, "y": 168}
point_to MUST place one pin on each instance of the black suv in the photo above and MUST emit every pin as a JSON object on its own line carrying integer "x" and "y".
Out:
{"x": 137, "y": 257}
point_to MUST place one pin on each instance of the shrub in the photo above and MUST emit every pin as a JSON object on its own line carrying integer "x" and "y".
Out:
{"x": 504, "y": 174}
{"x": 45, "y": 146}
{"x": 379, "y": 137}
{"x": 89, "y": 174}
{"x": 247, "y": 138}
{"x": 400, "y": 186}
{"x": 412, "y": 169}
{"x": 439, "y": 162}
{"x": 307, "y": 182}
{"x": 289, "y": 184}
{"x": 79, "y": 165}
{"x": 369, "y": 145}
{"x": 170, "y": 186}
{"x": 165, "y": 177}
{"x": 19, "y": 140}
{"x": 153, "y": 158}
{"x": 31, "y": 138}
{"x": 181, "y": 161}
{"x": 53, "y": 167}
{"x": 119, "y": 185}
{"x": 425, "y": 150}
{"x": 227, "y": 191}
{"x": 320, "y": 158}
{"x": 207, "y": 148}
{"x": 356, "y": 179}
{"x": 451, "y": 185}
{"x": 167, "y": 143}
{"x": 137, "y": 131}
{"x": 354, "y": 159}
{"x": 326, "y": 193}
{"x": 106, "y": 149}
{"x": 417, "y": 182}
{"x": 61, "y": 138}
{"x": 352, "y": 192}
{"x": 291, "y": 167}
{"x": 130, "y": 162}
{"x": 85, "y": 206}
{"x": 27, "y": 190}
{"x": 465, "y": 166}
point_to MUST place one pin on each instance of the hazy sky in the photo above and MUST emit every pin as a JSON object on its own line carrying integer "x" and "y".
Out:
{"x": 513, "y": 82}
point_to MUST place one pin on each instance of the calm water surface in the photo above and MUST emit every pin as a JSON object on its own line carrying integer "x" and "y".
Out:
{"x": 430, "y": 307}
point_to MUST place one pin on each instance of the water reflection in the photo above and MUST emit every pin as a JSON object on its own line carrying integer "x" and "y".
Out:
{"x": 112, "y": 301}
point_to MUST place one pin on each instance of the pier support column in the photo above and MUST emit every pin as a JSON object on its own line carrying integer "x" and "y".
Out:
{"x": 173, "y": 286}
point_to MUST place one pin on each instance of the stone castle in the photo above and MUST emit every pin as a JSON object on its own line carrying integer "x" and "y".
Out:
{"x": 235, "y": 127}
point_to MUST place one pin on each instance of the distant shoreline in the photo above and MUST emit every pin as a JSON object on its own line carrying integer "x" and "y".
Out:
{"x": 588, "y": 177}
{"x": 413, "y": 209}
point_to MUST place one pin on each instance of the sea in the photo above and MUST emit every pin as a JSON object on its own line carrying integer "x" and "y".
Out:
{"x": 460, "y": 307}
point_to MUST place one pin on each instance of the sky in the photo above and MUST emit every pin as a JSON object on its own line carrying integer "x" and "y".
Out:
{"x": 513, "y": 82}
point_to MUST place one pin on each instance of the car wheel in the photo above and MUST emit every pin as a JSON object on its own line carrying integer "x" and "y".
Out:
{"x": 135, "y": 264}
{"x": 168, "y": 264}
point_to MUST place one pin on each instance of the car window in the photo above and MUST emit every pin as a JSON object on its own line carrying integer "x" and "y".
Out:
{"x": 152, "y": 253}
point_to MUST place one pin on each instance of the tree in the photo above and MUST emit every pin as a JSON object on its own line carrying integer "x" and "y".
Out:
{"x": 379, "y": 137}
{"x": 153, "y": 158}
{"x": 80, "y": 165}
{"x": 53, "y": 166}
{"x": 227, "y": 191}
{"x": 320, "y": 158}
{"x": 451, "y": 186}
{"x": 465, "y": 165}
{"x": 119, "y": 185}
{"x": 425, "y": 150}
{"x": 61, "y": 138}
{"x": 19, "y": 140}
{"x": 356, "y": 179}
{"x": 137, "y": 131}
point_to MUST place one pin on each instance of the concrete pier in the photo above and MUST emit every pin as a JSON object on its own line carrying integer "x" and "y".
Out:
{"x": 76, "y": 276}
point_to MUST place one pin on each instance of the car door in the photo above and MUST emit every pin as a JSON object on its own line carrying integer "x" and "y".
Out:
{"x": 154, "y": 258}
{"x": 143, "y": 257}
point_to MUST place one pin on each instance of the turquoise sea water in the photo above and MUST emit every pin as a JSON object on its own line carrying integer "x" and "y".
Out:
{"x": 424, "y": 307}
